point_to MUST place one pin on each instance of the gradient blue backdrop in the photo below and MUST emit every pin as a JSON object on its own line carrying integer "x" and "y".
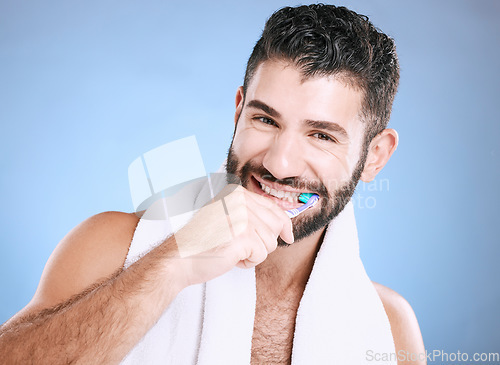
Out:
{"x": 88, "y": 86}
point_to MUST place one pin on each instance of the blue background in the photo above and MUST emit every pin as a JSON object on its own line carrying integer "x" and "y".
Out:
{"x": 88, "y": 86}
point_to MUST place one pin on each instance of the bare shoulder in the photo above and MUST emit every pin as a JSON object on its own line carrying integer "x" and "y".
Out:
{"x": 89, "y": 253}
{"x": 404, "y": 325}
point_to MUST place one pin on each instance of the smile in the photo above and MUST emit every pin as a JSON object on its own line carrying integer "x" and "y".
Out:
{"x": 290, "y": 196}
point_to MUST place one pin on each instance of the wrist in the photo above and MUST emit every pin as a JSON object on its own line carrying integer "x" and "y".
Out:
{"x": 175, "y": 268}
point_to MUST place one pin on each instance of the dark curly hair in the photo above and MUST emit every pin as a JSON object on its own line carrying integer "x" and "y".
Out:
{"x": 326, "y": 40}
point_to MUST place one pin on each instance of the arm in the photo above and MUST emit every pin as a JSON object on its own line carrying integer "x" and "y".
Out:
{"x": 102, "y": 323}
{"x": 404, "y": 326}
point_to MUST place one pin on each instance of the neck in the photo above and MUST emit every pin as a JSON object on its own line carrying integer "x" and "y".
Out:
{"x": 289, "y": 267}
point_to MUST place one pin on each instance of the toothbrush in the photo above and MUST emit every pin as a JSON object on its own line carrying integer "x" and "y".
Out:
{"x": 309, "y": 199}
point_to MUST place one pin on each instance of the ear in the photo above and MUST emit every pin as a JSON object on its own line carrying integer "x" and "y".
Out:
{"x": 239, "y": 104}
{"x": 380, "y": 151}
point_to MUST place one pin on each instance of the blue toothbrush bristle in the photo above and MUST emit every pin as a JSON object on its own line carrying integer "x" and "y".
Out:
{"x": 304, "y": 197}
{"x": 309, "y": 201}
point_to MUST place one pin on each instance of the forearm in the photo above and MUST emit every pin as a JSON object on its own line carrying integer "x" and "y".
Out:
{"x": 102, "y": 324}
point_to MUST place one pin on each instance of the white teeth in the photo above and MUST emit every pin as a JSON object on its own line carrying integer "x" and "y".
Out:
{"x": 285, "y": 195}
{"x": 266, "y": 188}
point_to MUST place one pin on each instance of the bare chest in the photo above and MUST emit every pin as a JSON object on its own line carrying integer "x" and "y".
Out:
{"x": 273, "y": 331}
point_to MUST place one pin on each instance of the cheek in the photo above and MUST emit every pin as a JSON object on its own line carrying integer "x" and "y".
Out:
{"x": 331, "y": 166}
{"x": 333, "y": 180}
{"x": 355, "y": 148}
{"x": 249, "y": 143}
{"x": 337, "y": 164}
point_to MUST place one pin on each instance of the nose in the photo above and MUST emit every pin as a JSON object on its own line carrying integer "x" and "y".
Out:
{"x": 284, "y": 158}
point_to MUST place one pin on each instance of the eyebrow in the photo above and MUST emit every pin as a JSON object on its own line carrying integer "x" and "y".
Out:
{"x": 263, "y": 106}
{"x": 328, "y": 126}
{"x": 317, "y": 124}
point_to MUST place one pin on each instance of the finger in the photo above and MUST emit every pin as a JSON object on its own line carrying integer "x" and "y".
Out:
{"x": 256, "y": 252}
{"x": 242, "y": 201}
{"x": 267, "y": 225}
{"x": 241, "y": 206}
{"x": 267, "y": 236}
{"x": 286, "y": 227}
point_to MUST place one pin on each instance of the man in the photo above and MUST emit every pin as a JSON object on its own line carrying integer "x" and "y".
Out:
{"x": 311, "y": 117}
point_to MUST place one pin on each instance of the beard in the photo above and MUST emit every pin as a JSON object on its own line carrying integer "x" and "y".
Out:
{"x": 331, "y": 202}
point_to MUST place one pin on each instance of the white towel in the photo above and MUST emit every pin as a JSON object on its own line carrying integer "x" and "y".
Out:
{"x": 340, "y": 319}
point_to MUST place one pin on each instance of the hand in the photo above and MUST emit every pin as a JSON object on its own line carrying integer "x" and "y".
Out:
{"x": 239, "y": 228}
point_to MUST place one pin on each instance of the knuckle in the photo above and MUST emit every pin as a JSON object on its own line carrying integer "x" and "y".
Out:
{"x": 259, "y": 254}
{"x": 239, "y": 227}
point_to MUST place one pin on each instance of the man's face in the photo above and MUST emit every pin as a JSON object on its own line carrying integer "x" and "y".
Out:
{"x": 296, "y": 135}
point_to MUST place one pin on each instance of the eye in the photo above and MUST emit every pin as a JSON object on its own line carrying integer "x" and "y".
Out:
{"x": 324, "y": 137}
{"x": 265, "y": 120}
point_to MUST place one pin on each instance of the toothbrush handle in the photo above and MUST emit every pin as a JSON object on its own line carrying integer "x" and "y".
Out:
{"x": 292, "y": 213}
